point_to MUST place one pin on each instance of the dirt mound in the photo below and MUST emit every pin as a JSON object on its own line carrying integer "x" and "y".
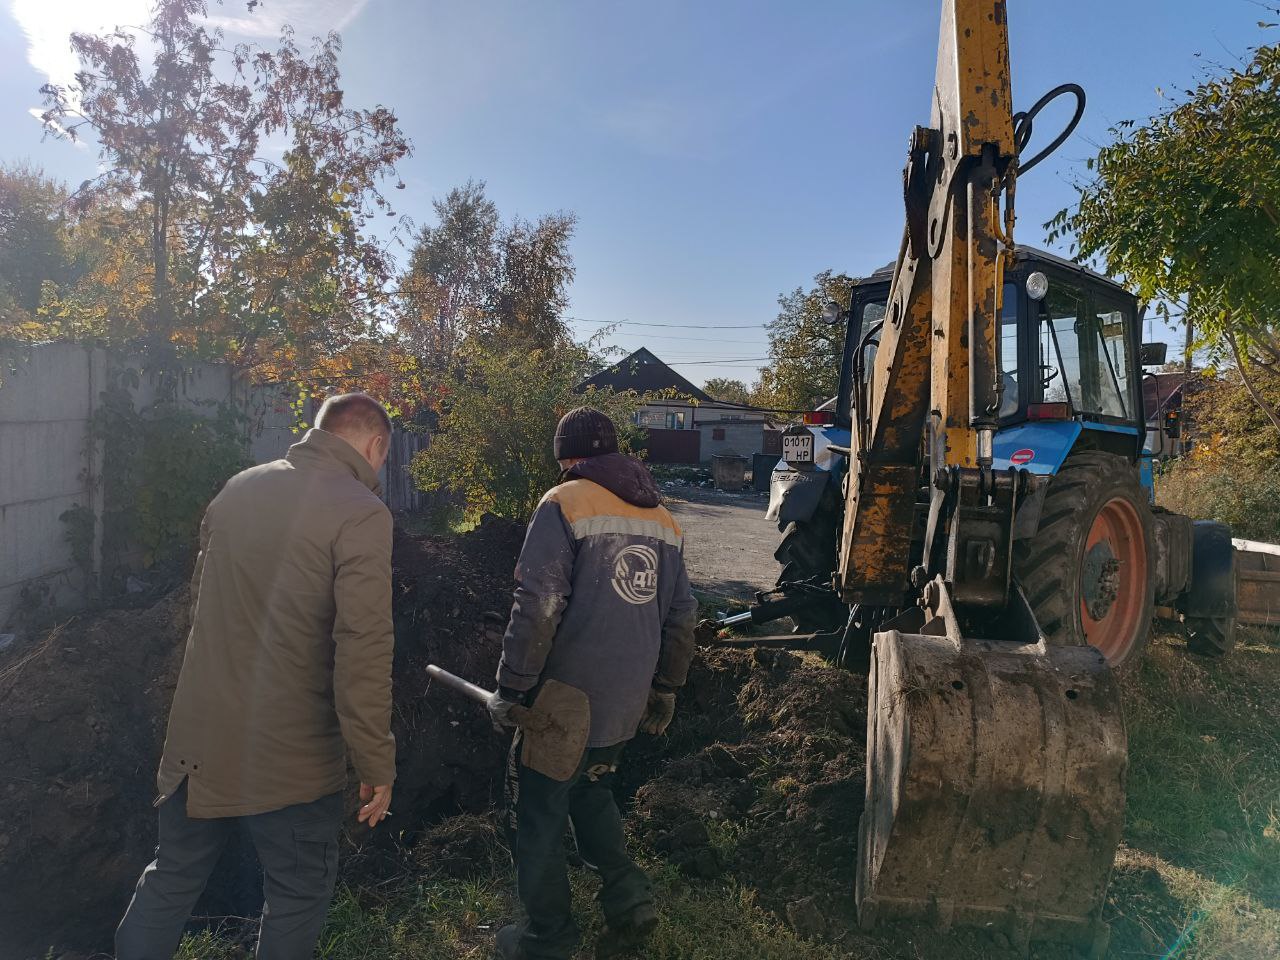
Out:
{"x": 448, "y": 755}
{"x": 82, "y": 715}
{"x": 82, "y": 718}
{"x": 767, "y": 783}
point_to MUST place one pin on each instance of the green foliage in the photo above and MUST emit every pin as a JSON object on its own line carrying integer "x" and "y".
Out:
{"x": 500, "y": 412}
{"x": 34, "y": 249}
{"x": 1187, "y": 208}
{"x": 731, "y": 391}
{"x": 80, "y": 532}
{"x": 805, "y": 351}
{"x": 160, "y": 468}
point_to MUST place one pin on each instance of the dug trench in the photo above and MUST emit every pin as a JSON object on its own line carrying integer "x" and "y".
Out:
{"x": 757, "y": 784}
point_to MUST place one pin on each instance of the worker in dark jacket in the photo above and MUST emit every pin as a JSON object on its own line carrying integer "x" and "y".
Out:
{"x": 287, "y": 671}
{"x": 602, "y": 604}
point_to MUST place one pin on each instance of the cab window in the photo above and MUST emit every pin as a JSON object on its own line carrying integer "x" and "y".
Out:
{"x": 1009, "y": 338}
{"x": 1114, "y": 389}
{"x": 1084, "y": 354}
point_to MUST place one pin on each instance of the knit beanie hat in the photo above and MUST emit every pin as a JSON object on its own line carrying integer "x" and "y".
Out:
{"x": 584, "y": 432}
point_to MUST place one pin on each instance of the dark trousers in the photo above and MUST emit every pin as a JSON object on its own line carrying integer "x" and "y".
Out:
{"x": 538, "y": 809}
{"x": 298, "y": 849}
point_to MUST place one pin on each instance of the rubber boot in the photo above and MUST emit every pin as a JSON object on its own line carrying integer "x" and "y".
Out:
{"x": 507, "y": 944}
{"x": 628, "y": 932}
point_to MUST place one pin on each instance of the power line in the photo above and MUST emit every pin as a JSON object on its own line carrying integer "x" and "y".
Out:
{"x": 678, "y": 326}
{"x": 668, "y": 336}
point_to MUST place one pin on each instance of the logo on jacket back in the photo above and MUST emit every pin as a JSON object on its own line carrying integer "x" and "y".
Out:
{"x": 635, "y": 574}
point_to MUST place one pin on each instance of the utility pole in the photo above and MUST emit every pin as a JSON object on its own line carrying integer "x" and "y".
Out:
{"x": 1186, "y": 348}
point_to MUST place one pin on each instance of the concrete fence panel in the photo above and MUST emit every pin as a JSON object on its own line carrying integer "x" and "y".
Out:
{"x": 49, "y": 463}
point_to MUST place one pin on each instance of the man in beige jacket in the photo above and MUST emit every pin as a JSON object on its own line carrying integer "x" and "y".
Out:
{"x": 287, "y": 668}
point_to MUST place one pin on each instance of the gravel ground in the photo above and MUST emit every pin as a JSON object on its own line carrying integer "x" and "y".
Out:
{"x": 728, "y": 543}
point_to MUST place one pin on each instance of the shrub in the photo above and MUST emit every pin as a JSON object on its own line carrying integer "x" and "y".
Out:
{"x": 500, "y": 413}
{"x": 161, "y": 466}
{"x": 1241, "y": 493}
{"x": 1228, "y": 424}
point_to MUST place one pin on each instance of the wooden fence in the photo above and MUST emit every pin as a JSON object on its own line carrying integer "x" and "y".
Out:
{"x": 400, "y": 493}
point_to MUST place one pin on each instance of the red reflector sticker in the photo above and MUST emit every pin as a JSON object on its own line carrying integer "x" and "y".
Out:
{"x": 1022, "y": 456}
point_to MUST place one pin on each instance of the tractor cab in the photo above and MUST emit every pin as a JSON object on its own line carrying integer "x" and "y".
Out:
{"x": 1070, "y": 362}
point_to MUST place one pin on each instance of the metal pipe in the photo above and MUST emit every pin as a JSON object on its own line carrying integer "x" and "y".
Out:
{"x": 464, "y": 687}
{"x": 986, "y": 446}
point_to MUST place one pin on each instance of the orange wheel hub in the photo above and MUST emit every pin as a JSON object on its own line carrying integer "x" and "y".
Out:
{"x": 1113, "y": 580}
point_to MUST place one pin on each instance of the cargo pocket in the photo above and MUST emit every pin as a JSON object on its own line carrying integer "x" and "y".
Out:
{"x": 315, "y": 848}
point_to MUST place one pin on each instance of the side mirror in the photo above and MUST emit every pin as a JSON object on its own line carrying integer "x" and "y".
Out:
{"x": 1153, "y": 354}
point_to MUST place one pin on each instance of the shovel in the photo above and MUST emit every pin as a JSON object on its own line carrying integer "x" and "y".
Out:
{"x": 555, "y": 728}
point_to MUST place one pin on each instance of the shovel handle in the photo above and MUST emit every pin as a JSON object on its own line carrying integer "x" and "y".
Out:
{"x": 457, "y": 683}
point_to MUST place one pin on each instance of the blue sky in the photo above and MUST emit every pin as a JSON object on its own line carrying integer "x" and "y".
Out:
{"x": 716, "y": 152}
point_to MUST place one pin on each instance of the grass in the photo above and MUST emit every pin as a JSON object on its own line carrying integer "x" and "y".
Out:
{"x": 452, "y": 920}
{"x": 1198, "y": 876}
{"x": 441, "y": 522}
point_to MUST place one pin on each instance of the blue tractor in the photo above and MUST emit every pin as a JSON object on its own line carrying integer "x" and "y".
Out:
{"x": 1093, "y": 555}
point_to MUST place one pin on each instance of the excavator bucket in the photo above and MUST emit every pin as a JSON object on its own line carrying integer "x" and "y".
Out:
{"x": 995, "y": 784}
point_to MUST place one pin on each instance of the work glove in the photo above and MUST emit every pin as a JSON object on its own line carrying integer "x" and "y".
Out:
{"x": 499, "y": 705}
{"x": 659, "y": 711}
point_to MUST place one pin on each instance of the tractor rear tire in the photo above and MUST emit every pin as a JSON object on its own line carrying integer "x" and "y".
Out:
{"x": 1211, "y": 637}
{"x": 1087, "y": 570}
{"x": 808, "y": 552}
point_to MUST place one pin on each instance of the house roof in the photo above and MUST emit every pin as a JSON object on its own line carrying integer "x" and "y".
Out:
{"x": 643, "y": 373}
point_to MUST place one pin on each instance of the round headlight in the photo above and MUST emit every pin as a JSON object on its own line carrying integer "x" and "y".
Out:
{"x": 1037, "y": 285}
{"x": 832, "y": 312}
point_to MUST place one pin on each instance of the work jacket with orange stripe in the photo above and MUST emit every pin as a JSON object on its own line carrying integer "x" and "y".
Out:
{"x": 602, "y": 598}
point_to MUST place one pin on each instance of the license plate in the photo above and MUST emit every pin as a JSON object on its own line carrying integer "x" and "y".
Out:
{"x": 797, "y": 447}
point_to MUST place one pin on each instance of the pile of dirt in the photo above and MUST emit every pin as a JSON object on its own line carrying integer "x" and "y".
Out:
{"x": 82, "y": 718}
{"x": 452, "y": 596}
{"x": 763, "y": 784}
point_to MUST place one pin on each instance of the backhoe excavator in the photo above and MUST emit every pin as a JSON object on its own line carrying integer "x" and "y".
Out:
{"x": 996, "y": 760}
{"x": 996, "y": 555}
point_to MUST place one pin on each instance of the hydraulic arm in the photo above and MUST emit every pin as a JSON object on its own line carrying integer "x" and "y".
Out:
{"x": 996, "y": 763}
{"x": 935, "y": 385}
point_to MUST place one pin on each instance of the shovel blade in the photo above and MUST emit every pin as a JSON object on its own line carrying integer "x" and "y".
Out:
{"x": 556, "y": 728}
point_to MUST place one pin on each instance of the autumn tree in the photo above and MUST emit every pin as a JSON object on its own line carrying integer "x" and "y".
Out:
{"x": 535, "y": 272}
{"x": 730, "y": 391}
{"x": 1186, "y": 207}
{"x": 244, "y": 254}
{"x": 804, "y": 350}
{"x": 472, "y": 275}
{"x": 452, "y": 274}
